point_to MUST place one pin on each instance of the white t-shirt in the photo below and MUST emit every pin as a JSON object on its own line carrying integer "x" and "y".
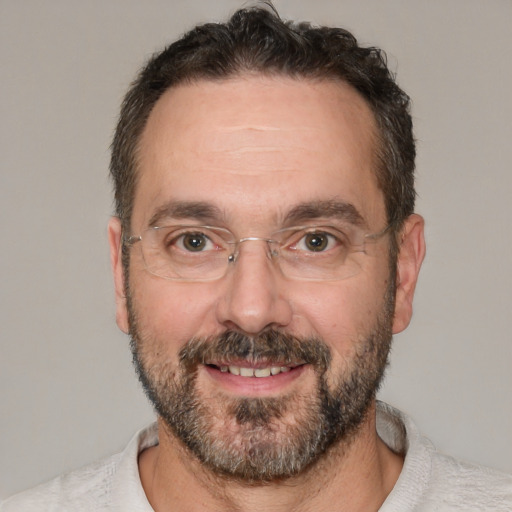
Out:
{"x": 429, "y": 481}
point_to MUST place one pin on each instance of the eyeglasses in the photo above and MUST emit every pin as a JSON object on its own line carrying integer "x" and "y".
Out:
{"x": 205, "y": 253}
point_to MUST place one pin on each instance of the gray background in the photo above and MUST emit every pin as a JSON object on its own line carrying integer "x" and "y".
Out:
{"x": 68, "y": 393}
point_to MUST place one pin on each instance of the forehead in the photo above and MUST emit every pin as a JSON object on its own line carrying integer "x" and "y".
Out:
{"x": 255, "y": 147}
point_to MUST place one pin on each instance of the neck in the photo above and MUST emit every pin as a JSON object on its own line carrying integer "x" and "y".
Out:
{"x": 356, "y": 476}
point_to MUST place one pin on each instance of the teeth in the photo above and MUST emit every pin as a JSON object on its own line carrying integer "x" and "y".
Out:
{"x": 254, "y": 372}
{"x": 246, "y": 372}
{"x": 235, "y": 370}
{"x": 263, "y": 372}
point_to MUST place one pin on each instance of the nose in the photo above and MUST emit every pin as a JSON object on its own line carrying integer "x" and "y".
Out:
{"x": 254, "y": 293}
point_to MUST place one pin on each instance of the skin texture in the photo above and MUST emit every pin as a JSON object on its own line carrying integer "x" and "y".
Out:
{"x": 254, "y": 148}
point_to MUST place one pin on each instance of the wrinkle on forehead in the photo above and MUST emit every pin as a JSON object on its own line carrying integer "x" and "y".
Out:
{"x": 262, "y": 137}
{"x": 241, "y": 139}
{"x": 247, "y": 149}
{"x": 247, "y": 139}
{"x": 261, "y": 128}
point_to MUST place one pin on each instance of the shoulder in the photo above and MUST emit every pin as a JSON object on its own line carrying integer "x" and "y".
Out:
{"x": 109, "y": 484}
{"x": 432, "y": 481}
{"x": 464, "y": 486}
{"x": 87, "y": 488}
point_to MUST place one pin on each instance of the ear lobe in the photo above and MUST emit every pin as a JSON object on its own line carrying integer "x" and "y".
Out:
{"x": 410, "y": 258}
{"x": 116, "y": 262}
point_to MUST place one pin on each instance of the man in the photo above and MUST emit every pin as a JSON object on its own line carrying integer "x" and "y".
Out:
{"x": 265, "y": 249}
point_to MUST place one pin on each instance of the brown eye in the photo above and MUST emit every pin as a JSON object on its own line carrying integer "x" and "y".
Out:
{"x": 194, "y": 242}
{"x": 316, "y": 242}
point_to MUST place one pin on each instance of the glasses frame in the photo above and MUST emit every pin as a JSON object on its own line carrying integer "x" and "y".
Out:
{"x": 131, "y": 240}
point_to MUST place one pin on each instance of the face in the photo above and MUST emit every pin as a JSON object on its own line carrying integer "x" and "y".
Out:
{"x": 258, "y": 374}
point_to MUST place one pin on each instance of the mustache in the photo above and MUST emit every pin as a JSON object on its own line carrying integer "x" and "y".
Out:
{"x": 267, "y": 347}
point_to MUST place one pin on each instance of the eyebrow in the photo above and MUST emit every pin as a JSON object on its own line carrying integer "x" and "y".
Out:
{"x": 329, "y": 209}
{"x": 206, "y": 212}
{"x": 198, "y": 210}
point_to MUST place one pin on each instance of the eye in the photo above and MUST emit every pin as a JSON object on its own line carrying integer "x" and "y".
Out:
{"x": 193, "y": 242}
{"x": 180, "y": 241}
{"x": 316, "y": 241}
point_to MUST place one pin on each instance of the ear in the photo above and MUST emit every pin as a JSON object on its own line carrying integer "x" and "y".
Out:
{"x": 115, "y": 242}
{"x": 410, "y": 257}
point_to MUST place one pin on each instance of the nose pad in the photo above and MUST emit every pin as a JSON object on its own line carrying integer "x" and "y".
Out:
{"x": 271, "y": 251}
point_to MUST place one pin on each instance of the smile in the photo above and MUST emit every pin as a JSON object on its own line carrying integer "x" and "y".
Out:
{"x": 255, "y": 379}
{"x": 254, "y": 372}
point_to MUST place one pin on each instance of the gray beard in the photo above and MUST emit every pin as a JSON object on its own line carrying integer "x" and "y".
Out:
{"x": 258, "y": 440}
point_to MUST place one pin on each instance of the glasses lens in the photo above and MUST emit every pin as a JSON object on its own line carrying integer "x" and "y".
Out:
{"x": 320, "y": 253}
{"x": 192, "y": 253}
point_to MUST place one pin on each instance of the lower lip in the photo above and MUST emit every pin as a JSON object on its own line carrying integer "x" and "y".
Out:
{"x": 255, "y": 386}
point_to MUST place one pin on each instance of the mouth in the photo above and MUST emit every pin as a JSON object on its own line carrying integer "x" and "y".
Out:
{"x": 254, "y": 372}
{"x": 258, "y": 379}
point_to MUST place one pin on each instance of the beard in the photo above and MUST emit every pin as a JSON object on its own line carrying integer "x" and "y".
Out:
{"x": 258, "y": 440}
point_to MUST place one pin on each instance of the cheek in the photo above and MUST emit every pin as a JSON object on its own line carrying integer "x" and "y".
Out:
{"x": 171, "y": 312}
{"x": 341, "y": 313}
